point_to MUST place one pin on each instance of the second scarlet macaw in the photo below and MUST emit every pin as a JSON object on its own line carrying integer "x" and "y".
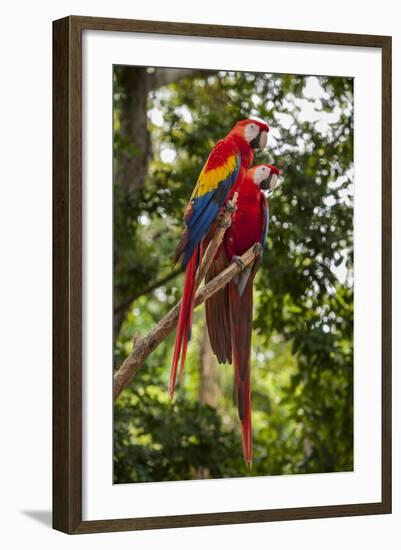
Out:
{"x": 229, "y": 312}
{"x": 220, "y": 177}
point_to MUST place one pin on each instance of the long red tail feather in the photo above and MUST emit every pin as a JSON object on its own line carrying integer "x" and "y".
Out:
{"x": 241, "y": 336}
{"x": 184, "y": 321}
{"x": 185, "y": 337}
{"x": 188, "y": 323}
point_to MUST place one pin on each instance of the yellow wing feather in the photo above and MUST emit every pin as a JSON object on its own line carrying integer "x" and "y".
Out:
{"x": 210, "y": 179}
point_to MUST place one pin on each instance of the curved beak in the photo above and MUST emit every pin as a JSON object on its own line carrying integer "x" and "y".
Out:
{"x": 262, "y": 139}
{"x": 273, "y": 181}
{"x": 270, "y": 183}
{"x": 259, "y": 142}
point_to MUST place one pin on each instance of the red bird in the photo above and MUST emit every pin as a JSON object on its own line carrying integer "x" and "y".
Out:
{"x": 229, "y": 312}
{"x": 220, "y": 177}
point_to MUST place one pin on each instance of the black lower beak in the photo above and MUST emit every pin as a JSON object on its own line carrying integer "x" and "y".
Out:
{"x": 265, "y": 184}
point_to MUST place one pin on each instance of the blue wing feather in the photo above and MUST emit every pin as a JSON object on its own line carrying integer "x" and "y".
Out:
{"x": 266, "y": 229}
{"x": 204, "y": 210}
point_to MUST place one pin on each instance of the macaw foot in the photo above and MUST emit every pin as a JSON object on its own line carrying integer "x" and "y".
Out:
{"x": 237, "y": 260}
{"x": 223, "y": 222}
{"x": 257, "y": 250}
{"x": 230, "y": 207}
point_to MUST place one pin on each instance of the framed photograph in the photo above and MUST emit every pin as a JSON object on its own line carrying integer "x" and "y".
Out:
{"x": 222, "y": 275}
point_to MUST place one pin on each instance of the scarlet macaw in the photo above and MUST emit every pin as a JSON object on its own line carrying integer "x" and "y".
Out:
{"x": 220, "y": 177}
{"x": 229, "y": 312}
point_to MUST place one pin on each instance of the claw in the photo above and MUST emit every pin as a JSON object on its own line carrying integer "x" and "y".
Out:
{"x": 237, "y": 260}
{"x": 257, "y": 249}
{"x": 230, "y": 207}
{"x": 223, "y": 223}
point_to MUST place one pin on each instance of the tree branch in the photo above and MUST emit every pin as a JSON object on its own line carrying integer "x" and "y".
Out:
{"x": 143, "y": 347}
{"x": 212, "y": 245}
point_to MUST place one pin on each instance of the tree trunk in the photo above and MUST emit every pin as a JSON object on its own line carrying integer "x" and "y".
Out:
{"x": 131, "y": 166}
{"x": 133, "y": 162}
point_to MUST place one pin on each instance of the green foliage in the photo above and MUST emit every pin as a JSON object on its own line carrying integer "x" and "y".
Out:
{"x": 154, "y": 444}
{"x": 303, "y": 313}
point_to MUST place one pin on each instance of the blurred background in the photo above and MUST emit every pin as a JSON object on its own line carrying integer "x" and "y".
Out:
{"x": 165, "y": 123}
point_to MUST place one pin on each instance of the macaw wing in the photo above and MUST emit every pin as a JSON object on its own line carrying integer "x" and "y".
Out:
{"x": 217, "y": 178}
{"x": 218, "y": 313}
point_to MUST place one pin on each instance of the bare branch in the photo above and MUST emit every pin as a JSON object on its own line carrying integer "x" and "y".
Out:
{"x": 143, "y": 347}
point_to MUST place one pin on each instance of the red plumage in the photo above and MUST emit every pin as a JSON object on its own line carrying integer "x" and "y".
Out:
{"x": 229, "y": 312}
{"x": 184, "y": 323}
{"x": 220, "y": 178}
{"x": 248, "y": 219}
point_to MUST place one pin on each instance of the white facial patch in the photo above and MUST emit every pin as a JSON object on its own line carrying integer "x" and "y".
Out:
{"x": 261, "y": 173}
{"x": 251, "y": 131}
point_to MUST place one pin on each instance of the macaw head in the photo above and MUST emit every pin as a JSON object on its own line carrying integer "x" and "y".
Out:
{"x": 253, "y": 131}
{"x": 265, "y": 175}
